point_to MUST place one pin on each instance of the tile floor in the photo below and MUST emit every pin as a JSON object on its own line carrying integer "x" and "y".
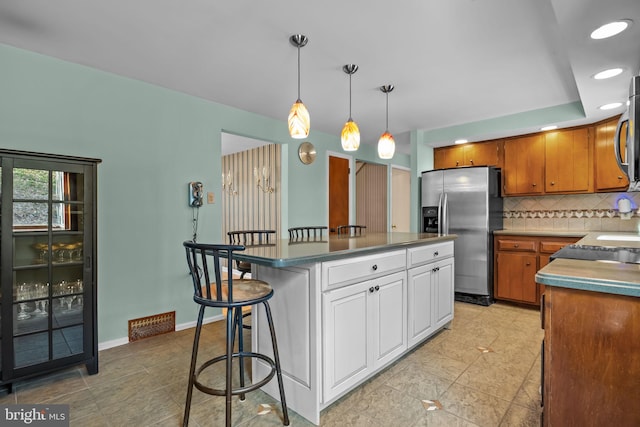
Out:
{"x": 144, "y": 383}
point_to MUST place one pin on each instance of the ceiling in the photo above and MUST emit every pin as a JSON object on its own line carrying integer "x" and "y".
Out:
{"x": 474, "y": 69}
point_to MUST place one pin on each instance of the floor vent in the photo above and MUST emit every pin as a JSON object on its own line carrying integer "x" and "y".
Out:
{"x": 151, "y": 326}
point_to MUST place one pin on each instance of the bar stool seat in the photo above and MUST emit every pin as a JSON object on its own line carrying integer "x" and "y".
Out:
{"x": 232, "y": 294}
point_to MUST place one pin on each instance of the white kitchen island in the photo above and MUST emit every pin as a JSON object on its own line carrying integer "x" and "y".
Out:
{"x": 346, "y": 307}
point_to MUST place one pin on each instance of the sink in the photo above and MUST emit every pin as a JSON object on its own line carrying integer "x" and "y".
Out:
{"x": 619, "y": 238}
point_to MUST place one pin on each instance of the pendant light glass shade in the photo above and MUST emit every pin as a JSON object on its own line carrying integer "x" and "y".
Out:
{"x": 386, "y": 146}
{"x": 350, "y": 136}
{"x": 386, "y": 143}
{"x": 299, "y": 120}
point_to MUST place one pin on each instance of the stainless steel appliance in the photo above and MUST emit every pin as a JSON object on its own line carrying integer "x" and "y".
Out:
{"x": 466, "y": 202}
{"x": 631, "y": 121}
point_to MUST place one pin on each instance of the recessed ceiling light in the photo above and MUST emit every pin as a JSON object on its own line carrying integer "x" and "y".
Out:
{"x": 606, "y": 74}
{"x": 460, "y": 141}
{"x": 610, "y": 29}
{"x": 552, "y": 127}
{"x": 610, "y": 106}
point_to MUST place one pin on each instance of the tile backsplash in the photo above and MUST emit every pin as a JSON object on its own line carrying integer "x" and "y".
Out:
{"x": 579, "y": 212}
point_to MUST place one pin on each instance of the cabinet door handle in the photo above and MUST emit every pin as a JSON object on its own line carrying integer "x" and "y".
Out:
{"x": 516, "y": 245}
{"x": 471, "y": 161}
{"x": 436, "y": 253}
{"x": 619, "y": 177}
{"x": 553, "y": 183}
{"x": 375, "y": 267}
{"x": 377, "y": 288}
{"x": 534, "y": 184}
{"x": 371, "y": 289}
{"x": 528, "y": 264}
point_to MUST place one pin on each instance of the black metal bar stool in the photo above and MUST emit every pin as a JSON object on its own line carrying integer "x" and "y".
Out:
{"x": 351, "y": 230}
{"x": 298, "y": 233}
{"x": 204, "y": 265}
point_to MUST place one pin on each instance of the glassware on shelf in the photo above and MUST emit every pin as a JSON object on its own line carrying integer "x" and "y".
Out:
{"x": 23, "y": 293}
{"x": 43, "y": 305}
{"x": 43, "y": 249}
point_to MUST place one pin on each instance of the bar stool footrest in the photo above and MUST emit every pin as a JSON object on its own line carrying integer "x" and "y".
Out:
{"x": 236, "y": 391}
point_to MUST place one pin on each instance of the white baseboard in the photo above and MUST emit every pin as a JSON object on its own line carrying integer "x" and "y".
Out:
{"x": 121, "y": 341}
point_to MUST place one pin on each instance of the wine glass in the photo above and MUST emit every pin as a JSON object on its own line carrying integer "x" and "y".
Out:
{"x": 43, "y": 304}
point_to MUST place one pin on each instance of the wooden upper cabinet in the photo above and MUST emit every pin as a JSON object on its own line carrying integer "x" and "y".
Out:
{"x": 448, "y": 157}
{"x": 568, "y": 161}
{"x": 474, "y": 154}
{"x": 609, "y": 176}
{"x": 483, "y": 154}
{"x": 523, "y": 170}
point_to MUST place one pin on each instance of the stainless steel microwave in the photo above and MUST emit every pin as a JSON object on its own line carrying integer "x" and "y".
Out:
{"x": 631, "y": 121}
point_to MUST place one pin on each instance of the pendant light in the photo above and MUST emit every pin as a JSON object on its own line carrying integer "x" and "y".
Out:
{"x": 386, "y": 144}
{"x": 350, "y": 136}
{"x": 299, "y": 121}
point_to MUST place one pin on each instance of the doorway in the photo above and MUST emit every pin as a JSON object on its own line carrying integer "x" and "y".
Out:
{"x": 400, "y": 199}
{"x": 338, "y": 192}
{"x": 371, "y": 196}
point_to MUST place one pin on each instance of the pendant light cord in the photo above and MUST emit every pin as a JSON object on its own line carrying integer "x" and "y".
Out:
{"x": 298, "y": 73}
{"x": 350, "y": 97}
{"x": 387, "y": 111}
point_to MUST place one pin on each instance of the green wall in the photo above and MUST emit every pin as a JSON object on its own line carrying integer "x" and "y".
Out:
{"x": 152, "y": 142}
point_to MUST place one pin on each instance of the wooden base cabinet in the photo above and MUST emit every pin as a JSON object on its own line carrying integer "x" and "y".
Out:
{"x": 591, "y": 364}
{"x": 517, "y": 260}
{"x": 48, "y": 265}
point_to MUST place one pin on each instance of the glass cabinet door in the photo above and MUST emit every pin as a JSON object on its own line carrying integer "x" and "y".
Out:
{"x": 48, "y": 268}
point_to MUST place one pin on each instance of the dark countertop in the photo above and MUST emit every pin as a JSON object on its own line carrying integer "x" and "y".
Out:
{"x": 286, "y": 253}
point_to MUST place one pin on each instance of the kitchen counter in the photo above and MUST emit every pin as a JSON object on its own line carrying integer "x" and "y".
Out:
{"x": 549, "y": 233}
{"x": 346, "y": 307}
{"x": 598, "y": 276}
{"x": 287, "y": 253}
{"x": 591, "y": 347}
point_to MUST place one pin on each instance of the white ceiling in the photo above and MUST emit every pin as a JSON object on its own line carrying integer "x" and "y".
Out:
{"x": 454, "y": 63}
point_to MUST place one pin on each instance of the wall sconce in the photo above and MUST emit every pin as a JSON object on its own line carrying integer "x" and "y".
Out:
{"x": 263, "y": 182}
{"x": 227, "y": 185}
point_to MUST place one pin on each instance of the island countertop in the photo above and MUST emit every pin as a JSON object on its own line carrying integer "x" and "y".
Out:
{"x": 287, "y": 253}
{"x": 599, "y": 276}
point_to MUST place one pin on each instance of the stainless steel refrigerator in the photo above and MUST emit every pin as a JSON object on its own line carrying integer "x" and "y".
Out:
{"x": 466, "y": 202}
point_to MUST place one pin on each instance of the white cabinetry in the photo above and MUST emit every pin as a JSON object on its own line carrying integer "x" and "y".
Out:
{"x": 430, "y": 290}
{"x": 340, "y": 321}
{"x": 365, "y": 327}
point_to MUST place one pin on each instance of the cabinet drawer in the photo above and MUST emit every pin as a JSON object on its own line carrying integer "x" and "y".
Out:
{"x": 430, "y": 253}
{"x": 552, "y": 247}
{"x": 351, "y": 270}
{"x": 516, "y": 245}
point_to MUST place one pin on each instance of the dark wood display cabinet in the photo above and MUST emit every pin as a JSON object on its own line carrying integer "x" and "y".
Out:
{"x": 47, "y": 264}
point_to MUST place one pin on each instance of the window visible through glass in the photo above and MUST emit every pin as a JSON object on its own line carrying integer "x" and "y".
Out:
{"x": 31, "y": 196}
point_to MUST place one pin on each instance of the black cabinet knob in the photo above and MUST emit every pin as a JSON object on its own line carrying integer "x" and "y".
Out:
{"x": 375, "y": 267}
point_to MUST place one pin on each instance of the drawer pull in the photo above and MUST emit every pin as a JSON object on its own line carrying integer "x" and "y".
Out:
{"x": 528, "y": 264}
{"x": 371, "y": 289}
{"x": 377, "y": 288}
{"x": 515, "y": 245}
{"x": 436, "y": 253}
{"x": 375, "y": 267}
